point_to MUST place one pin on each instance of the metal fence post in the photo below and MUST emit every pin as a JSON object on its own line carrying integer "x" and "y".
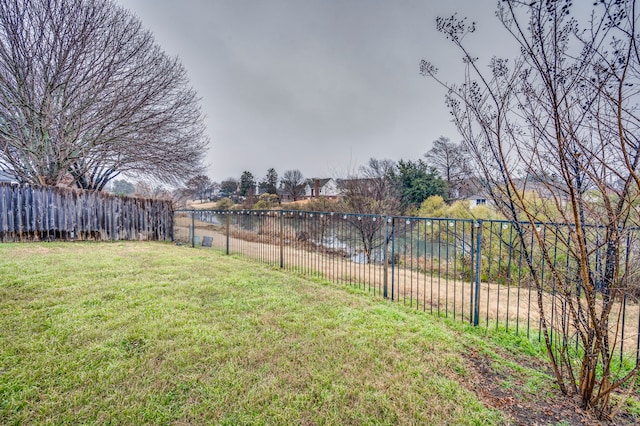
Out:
{"x": 173, "y": 228}
{"x": 476, "y": 297}
{"x": 281, "y": 240}
{"x": 393, "y": 256}
{"x": 226, "y": 223}
{"x": 193, "y": 229}
{"x": 385, "y": 257}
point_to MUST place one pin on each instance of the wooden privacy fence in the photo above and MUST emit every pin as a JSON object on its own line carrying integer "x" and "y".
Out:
{"x": 30, "y": 213}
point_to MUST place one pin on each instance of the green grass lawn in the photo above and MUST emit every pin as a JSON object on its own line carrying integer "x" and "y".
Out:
{"x": 152, "y": 333}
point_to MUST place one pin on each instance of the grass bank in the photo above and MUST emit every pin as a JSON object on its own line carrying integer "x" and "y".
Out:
{"x": 150, "y": 333}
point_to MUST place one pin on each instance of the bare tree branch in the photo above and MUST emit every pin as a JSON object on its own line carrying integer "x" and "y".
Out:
{"x": 561, "y": 121}
{"x": 86, "y": 92}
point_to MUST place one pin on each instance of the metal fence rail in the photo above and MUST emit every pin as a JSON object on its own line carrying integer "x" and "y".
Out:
{"x": 467, "y": 270}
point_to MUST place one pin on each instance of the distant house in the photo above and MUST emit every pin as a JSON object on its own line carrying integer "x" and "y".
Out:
{"x": 549, "y": 189}
{"x": 316, "y": 187}
{"x": 477, "y": 200}
{"x": 468, "y": 187}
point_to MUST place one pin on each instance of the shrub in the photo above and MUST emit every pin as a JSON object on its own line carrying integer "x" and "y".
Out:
{"x": 224, "y": 204}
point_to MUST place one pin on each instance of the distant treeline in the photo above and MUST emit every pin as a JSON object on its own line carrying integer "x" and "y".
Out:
{"x": 31, "y": 213}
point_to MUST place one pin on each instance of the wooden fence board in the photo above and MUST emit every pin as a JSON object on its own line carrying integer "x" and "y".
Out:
{"x": 31, "y": 213}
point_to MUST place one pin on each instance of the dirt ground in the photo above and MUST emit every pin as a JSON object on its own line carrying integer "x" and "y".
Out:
{"x": 505, "y": 391}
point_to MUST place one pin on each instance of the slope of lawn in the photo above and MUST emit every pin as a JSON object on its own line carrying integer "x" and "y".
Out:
{"x": 152, "y": 333}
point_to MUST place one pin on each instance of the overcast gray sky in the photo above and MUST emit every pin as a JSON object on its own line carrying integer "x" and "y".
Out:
{"x": 317, "y": 85}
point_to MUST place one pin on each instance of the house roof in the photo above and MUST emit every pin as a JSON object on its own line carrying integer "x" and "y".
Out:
{"x": 477, "y": 197}
{"x": 321, "y": 182}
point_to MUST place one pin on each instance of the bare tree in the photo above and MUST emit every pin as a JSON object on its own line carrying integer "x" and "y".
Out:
{"x": 370, "y": 192}
{"x": 562, "y": 120}
{"x": 148, "y": 189}
{"x": 452, "y": 161}
{"x": 229, "y": 188}
{"x": 85, "y": 91}
{"x": 199, "y": 187}
{"x": 292, "y": 184}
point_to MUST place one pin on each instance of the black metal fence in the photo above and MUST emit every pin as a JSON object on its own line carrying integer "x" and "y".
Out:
{"x": 468, "y": 270}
